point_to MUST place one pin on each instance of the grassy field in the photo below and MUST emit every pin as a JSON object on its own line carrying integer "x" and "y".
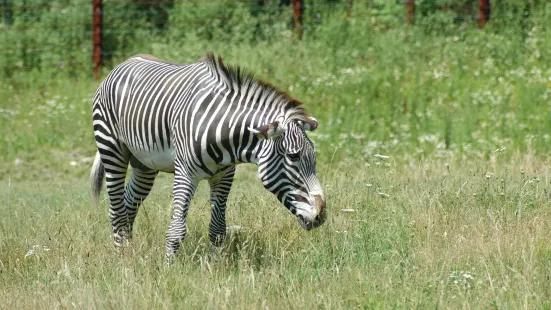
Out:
{"x": 437, "y": 136}
{"x": 420, "y": 236}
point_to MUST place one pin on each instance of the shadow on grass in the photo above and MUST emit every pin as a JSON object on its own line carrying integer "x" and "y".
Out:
{"x": 239, "y": 249}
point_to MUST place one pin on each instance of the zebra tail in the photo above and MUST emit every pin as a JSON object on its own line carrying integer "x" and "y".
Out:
{"x": 96, "y": 178}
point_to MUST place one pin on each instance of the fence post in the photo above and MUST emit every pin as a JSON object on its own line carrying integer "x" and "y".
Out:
{"x": 349, "y": 8}
{"x": 409, "y": 6}
{"x": 97, "y": 35}
{"x": 298, "y": 9}
{"x": 483, "y": 13}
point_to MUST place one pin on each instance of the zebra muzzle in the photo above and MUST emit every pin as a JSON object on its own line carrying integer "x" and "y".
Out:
{"x": 318, "y": 214}
{"x": 320, "y": 207}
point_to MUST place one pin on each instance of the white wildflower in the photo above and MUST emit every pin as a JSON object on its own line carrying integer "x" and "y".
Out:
{"x": 36, "y": 249}
{"x": 383, "y": 194}
{"x": 468, "y": 276}
{"x": 235, "y": 228}
{"x": 349, "y": 210}
{"x": 381, "y": 156}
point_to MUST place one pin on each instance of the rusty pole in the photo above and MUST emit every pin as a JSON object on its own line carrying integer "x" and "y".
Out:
{"x": 409, "y": 6}
{"x": 483, "y": 13}
{"x": 349, "y": 8}
{"x": 298, "y": 9}
{"x": 97, "y": 35}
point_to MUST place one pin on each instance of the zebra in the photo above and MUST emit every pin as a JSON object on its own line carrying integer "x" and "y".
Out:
{"x": 198, "y": 121}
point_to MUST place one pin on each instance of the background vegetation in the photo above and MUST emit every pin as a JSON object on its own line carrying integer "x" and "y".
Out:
{"x": 437, "y": 136}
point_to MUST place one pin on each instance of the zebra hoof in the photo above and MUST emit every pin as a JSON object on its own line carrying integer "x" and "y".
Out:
{"x": 122, "y": 239}
{"x": 216, "y": 252}
{"x": 169, "y": 259}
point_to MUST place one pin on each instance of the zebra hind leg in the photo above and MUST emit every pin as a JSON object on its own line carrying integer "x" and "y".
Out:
{"x": 137, "y": 190}
{"x": 116, "y": 164}
{"x": 220, "y": 185}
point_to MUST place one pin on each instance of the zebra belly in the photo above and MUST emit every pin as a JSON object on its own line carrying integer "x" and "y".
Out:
{"x": 162, "y": 160}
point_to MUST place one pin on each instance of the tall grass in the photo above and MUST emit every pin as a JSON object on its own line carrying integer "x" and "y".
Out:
{"x": 437, "y": 136}
{"x": 420, "y": 236}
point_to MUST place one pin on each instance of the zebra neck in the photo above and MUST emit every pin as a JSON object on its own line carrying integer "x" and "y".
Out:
{"x": 247, "y": 146}
{"x": 231, "y": 116}
{"x": 257, "y": 151}
{"x": 228, "y": 139}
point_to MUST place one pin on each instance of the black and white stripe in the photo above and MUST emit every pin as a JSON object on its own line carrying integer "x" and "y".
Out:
{"x": 198, "y": 121}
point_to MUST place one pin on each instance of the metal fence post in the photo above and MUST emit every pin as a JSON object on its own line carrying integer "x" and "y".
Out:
{"x": 298, "y": 9}
{"x": 409, "y": 6}
{"x": 97, "y": 35}
{"x": 483, "y": 13}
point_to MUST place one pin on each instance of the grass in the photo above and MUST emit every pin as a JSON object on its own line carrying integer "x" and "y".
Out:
{"x": 457, "y": 217}
{"x": 421, "y": 236}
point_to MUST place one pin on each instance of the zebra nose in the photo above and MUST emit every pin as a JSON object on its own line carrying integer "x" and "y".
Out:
{"x": 320, "y": 204}
{"x": 320, "y": 210}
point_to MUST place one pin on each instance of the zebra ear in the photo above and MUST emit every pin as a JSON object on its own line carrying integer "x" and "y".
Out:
{"x": 268, "y": 131}
{"x": 309, "y": 124}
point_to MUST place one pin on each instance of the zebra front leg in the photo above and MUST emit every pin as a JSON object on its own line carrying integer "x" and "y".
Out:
{"x": 184, "y": 188}
{"x": 137, "y": 189}
{"x": 220, "y": 185}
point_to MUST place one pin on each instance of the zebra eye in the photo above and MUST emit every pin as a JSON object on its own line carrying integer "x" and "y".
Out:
{"x": 293, "y": 156}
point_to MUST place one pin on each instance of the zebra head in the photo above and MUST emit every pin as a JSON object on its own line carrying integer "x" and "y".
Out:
{"x": 287, "y": 168}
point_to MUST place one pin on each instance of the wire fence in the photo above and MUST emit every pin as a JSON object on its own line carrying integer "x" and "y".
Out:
{"x": 75, "y": 37}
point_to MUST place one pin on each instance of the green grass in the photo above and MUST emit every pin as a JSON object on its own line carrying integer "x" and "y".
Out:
{"x": 457, "y": 217}
{"x": 473, "y": 236}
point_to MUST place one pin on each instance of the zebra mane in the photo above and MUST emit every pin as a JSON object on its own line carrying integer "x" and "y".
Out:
{"x": 236, "y": 78}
